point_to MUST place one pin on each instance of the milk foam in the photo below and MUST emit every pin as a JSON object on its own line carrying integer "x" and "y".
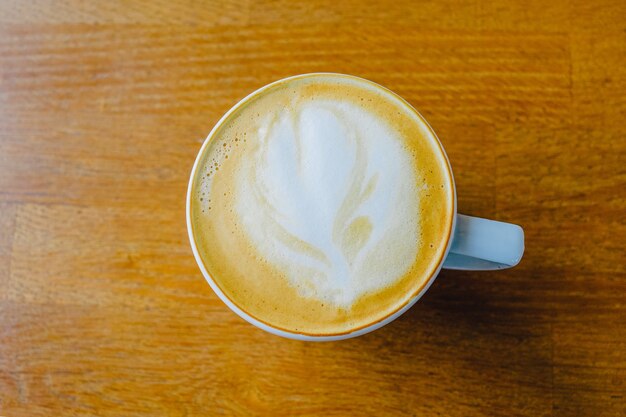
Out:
{"x": 327, "y": 194}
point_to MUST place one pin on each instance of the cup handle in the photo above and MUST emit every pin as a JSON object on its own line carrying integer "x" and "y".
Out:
{"x": 482, "y": 245}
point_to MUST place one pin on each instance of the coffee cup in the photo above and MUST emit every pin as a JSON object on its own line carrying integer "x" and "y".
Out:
{"x": 322, "y": 207}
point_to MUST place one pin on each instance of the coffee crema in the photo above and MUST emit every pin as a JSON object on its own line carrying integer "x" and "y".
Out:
{"x": 321, "y": 204}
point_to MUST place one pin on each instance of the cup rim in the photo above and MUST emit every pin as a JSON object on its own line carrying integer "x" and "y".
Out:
{"x": 305, "y": 336}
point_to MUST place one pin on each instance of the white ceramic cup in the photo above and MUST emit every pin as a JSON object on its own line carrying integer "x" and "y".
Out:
{"x": 477, "y": 244}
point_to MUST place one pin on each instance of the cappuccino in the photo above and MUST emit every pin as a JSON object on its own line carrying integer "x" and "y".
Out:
{"x": 321, "y": 204}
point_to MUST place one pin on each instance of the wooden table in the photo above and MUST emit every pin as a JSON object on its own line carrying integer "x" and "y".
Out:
{"x": 103, "y": 106}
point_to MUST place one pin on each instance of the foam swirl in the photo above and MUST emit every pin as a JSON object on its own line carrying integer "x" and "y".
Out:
{"x": 328, "y": 196}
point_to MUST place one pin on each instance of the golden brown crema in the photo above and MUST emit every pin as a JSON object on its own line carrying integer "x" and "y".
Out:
{"x": 321, "y": 204}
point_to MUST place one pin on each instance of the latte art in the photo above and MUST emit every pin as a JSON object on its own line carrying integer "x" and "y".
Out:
{"x": 321, "y": 204}
{"x": 325, "y": 189}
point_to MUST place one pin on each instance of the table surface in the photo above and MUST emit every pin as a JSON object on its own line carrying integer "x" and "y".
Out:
{"x": 103, "y": 106}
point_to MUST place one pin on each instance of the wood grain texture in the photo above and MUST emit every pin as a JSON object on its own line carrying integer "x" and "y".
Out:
{"x": 103, "y": 106}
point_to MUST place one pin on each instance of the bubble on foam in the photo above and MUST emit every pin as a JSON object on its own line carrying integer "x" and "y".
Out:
{"x": 221, "y": 151}
{"x": 328, "y": 196}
